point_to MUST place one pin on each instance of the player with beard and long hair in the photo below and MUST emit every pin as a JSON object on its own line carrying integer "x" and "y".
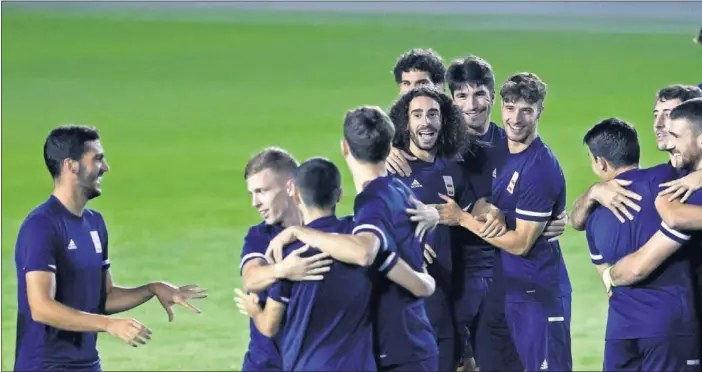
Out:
{"x": 431, "y": 128}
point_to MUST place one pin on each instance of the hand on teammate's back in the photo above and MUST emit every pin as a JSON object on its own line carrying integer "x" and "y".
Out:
{"x": 131, "y": 331}
{"x": 614, "y": 196}
{"x": 396, "y": 163}
{"x": 169, "y": 295}
{"x": 297, "y": 268}
{"x": 683, "y": 187}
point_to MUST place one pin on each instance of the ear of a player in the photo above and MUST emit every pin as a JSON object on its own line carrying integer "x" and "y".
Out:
{"x": 344, "y": 148}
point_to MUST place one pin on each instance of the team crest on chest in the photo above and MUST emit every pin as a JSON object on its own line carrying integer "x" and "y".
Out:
{"x": 450, "y": 189}
{"x": 513, "y": 182}
{"x": 96, "y": 241}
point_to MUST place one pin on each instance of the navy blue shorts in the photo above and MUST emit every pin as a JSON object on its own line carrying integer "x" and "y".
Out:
{"x": 426, "y": 365}
{"x": 469, "y": 305}
{"x": 495, "y": 351}
{"x": 541, "y": 333}
{"x": 675, "y": 353}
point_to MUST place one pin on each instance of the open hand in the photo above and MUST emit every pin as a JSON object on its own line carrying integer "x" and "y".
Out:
{"x": 169, "y": 295}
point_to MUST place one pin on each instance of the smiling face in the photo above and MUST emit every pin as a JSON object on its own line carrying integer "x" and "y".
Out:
{"x": 475, "y": 103}
{"x": 269, "y": 195}
{"x": 661, "y": 122}
{"x": 684, "y": 144}
{"x": 91, "y": 167}
{"x": 519, "y": 118}
{"x": 424, "y": 123}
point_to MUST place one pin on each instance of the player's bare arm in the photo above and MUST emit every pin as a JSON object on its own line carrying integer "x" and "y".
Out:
{"x": 258, "y": 274}
{"x": 679, "y": 216}
{"x": 495, "y": 226}
{"x": 491, "y": 218}
{"x": 419, "y": 284}
{"x": 359, "y": 249}
{"x": 268, "y": 319}
{"x": 683, "y": 187}
{"x": 121, "y": 299}
{"x": 397, "y": 162}
{"x": 639, "y": 265}
{"x": 41, "y": 291}
{"x": 612, "y": 195}
{"x": 600, "y": 271}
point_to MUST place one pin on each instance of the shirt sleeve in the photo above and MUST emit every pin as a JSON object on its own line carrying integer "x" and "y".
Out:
{"x": 536, "y": 198}
{"x": 37, "y": 243}
{"x": 255, "y": 245}
{"x": 602, "y": 236}
{"x": 371, "y": 216}
{"x": 676, "y": 235}
{"x": 280, "y": 291}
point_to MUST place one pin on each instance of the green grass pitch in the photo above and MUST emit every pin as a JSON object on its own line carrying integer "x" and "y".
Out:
{"x": 182, "y": 104}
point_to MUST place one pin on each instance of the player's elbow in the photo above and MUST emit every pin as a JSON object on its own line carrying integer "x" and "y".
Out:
{"x": 672, "y": 220}
{"x": 425, "y": 287}
{"x": 40, "y": 310}
{"x": 268, "y": 329}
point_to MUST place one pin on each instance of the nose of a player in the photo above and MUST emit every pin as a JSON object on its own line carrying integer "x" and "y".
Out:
{"x": 105, "y": 167}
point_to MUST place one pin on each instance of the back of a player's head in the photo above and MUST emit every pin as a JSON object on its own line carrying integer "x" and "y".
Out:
{"x": 453, "y": 135}
{"x": 690, "y": 111}
{"x": 524, "y": 85}
{"x": 680, "y": 92}
{"x": 369, "y": 133}
{"x": 698, "y": 38}
{"x": 421, "y": 60}
{"x": 67, "y": 142}
{"x": 319, "y": 183}
{"x": 615, "y": 141}
{"x": 276, "y": 159}
{"x": 471, "y": 70}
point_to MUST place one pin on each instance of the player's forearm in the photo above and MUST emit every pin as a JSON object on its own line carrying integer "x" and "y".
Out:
{"x": 259, "y": 277}
{"x": 511, "y": 242}
{"x": 482, "y": 207}
{"x": 121, "y": 299}
{"x": 57, "y": 315}
{"x": 582, "y": 209}
{"x": 419, "y": 284}
{"x": 683, "y": 217}
{"x": 351, "y": 249}
{"x": 637, "y": 266}
{"x": 265, "y": 324}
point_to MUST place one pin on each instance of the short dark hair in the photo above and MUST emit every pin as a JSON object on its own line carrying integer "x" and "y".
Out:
{"x": 471, "y": 70}
{"x": 698, "y": 38}
{"x": 454, "y": 130}
{"x": 319, "y": 183}
{"x": 615, "y": 141}
{"x": 690, "y": 110}
{"x": 273, "y": 158}
{"x": 369, "y": 132}
{"x": 421, "y": 60}
{"x": 66, "y": 142}
{"x": 678, "y": 91}
{"x": 525, "y": 85}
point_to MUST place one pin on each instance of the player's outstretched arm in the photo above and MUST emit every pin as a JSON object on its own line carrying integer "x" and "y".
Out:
{"x": 683, "y": 187}
{"x": 639, "y": 265}
{"x": 121, "y": 299}
{"x": 267, "y": 320}
{"x": 612, "y": 195}
{"x": 679, "y": 216}
{"x": 41, "y": 291}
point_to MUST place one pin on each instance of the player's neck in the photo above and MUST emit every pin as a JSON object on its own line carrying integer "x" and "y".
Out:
{"x": 292, "y": 217}
{"x": 313, "y": 214}
{"x": 423, "y": 155}
{"x": 365, "y": 173}
{"x": 624, "y": 169}
{"x": 71, "y": 198}
{"x": 517, "y": 147}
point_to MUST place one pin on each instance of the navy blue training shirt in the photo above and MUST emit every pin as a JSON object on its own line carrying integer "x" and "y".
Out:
{"x": 263, "y": 352}
{"x": 662, "y": 304}
{"x": 402, "y": 332}
{"x": 328, "y": 325}
{"x": 52, "y": 239}
{"x": 530, "y": 186}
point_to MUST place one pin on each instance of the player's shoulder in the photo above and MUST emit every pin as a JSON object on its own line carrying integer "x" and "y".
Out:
{"x": 543, "y": 162}
{"x": 602, "y": 220}
{"x": 346, "y": 224}
{"x": 662, "y": 171}
{"x": 695, "y": 198}
{"x": 260, "y": 230}
{"x": 45, "y": 214}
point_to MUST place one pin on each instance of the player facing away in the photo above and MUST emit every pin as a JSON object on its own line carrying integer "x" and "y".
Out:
{"x": 651, "y": 325}
{"x": 327, "y": 323}
{"x": 383, "y": 237}
{"x": 530, "y": 189}
{"x": 614, "y": 195}
{"x": 419, "y": 67}
{"x": 65, "y": 291}
{"x": 430, "y": 127}
{"x": 268, "y": 176}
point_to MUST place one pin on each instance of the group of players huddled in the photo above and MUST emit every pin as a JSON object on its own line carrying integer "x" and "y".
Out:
{"x": 451, "y": 260}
